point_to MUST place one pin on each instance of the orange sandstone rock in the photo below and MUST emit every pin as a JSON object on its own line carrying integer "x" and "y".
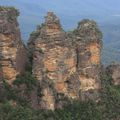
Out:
{"x": 67, "y": 65}
{"x": 12, "y": 50}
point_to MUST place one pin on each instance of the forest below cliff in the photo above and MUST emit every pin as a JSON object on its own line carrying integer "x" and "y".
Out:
{"x": 108, "y": 108}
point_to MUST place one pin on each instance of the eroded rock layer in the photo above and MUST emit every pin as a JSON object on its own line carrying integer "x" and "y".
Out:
{"x": 88, "y": 43}
{"x": 66, "y": 65}
{"x": 12, "y": 50}
{"x": 54, "y": 62}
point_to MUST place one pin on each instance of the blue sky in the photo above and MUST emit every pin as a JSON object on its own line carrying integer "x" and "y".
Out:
{"x": 69, "y": 11}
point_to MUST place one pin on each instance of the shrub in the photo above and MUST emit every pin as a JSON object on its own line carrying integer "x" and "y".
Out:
{"x": 26, "y": 79}
{"x": 9, "y": 91}
{"x": 8, "y": 112}
{"x": 110, "y": 99}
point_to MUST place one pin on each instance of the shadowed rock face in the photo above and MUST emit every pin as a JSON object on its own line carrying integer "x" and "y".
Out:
{"x": 114, "y": 71}
{"x": 12, "y": 50}
{"x": 66, "y": 64}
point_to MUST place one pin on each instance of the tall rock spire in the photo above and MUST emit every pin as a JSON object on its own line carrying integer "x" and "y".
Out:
{"x": 12, "y": 50}
{"x": 51, "y": 28}
{"x": 88, "y": 39}
{"x": 52, "y": 25}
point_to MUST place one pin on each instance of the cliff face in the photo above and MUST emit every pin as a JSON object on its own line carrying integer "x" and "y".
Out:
{"x": 66, "y": 65}
{"x": 12, "y": 50}
{"x": 88, "y": 44}
{"x": 54, "y": 62}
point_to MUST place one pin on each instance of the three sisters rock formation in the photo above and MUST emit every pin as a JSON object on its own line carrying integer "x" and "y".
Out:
{"x": 67, "y": 65}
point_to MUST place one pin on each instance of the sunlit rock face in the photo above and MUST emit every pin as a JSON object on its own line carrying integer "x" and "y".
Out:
{"x": 67, "y": 65}
{"x": 88, "y": 45}
{"x": 54, "y": 62}
{"x": 114, "y": 72}
{"x": 12, "y": 50}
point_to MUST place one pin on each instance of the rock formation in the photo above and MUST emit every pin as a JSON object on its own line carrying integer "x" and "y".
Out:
{"x": 54, "y": 62}
{"x": 66, "y": 65}
{"x": 12, "y": 50}
{"x": 113, "y": 71}
{"x": 88, "y": 46}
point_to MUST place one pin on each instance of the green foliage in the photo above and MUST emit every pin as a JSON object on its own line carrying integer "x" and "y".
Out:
{"x": 20, "y": 90}
{"x": 9, "y": 91}
{"x": 74, "y": 111}
{"x": 34, "y": 35}
{"x": 26, "y": 79}
{"x": 83, "y": 111}
{"x": 107, "y": 109}
{"x": 0, "y": 65}
{"x": 12, "y": 93}
{"x": 110, "y": 100}
{"x": 41, "y": 51}
{"x": 6, "y": 8}
{"x": 28, "y": 67}
{"x": 8, "y": 112}
{"x": 106, "y": 81}
{"x": 5, "y": 111}
{"x": 84, "y": 29}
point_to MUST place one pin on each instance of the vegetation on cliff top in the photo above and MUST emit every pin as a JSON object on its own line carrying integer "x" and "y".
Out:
{"x": 7, "y": 8}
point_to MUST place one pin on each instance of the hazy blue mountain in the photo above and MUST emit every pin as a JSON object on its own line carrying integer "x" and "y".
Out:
{"x": 111, "y": 45}
{"x": 105, "y": 12}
